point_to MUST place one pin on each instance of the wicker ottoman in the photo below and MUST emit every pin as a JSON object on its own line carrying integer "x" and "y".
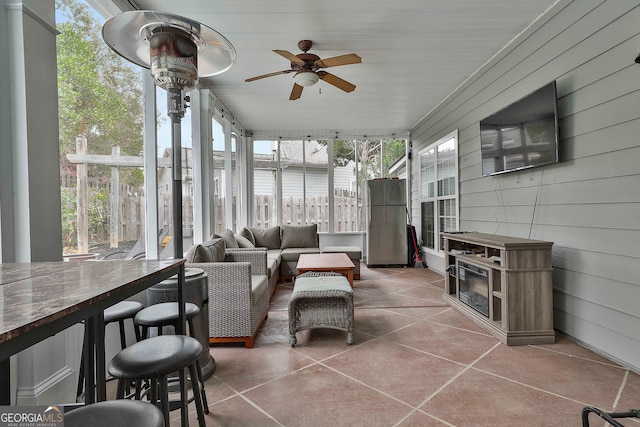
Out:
{"x": 321, "y": 300}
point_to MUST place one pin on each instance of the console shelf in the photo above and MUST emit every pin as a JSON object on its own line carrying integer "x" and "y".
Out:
{"x": 518, "y": 276}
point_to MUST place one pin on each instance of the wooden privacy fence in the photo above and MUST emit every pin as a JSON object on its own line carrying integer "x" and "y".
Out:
{"x": 348, "y": 212}
{"x": 131, "y": 202}
{"x": 130, "y": 205}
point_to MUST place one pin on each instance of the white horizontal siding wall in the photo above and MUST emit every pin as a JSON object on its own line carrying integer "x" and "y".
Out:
{"x": 343, "y": 175}
{"x": 589, "y": 203}
{"x": 264, "y": 182}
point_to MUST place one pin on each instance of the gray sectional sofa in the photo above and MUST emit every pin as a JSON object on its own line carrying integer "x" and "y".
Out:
{"x": 243, "y": 271}
{"x": 284, "y": 245}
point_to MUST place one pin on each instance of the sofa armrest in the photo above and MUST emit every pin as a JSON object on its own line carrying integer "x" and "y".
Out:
{"x": 257, "y": 257}
{"x": 226, "y": 280}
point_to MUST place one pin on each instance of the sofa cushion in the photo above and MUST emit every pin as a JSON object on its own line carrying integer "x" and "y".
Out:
{"x": 272, "y": 266}
{"x": 274, "y": 254}
{"x": 243, "y": 242}
{"x": 266, "y": 237}
{"x": 259, "y": 285}
{"x": 228, "y": 237}
{"x": 292, "y": 254}
{"x": 299, "y": 236}
{"x": 353, "y": 252}
{"x": 209, "y": 251}
{"x": 247, "y": 234}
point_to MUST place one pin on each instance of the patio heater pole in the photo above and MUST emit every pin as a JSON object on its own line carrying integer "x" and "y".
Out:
{"x": 175, "y": 110}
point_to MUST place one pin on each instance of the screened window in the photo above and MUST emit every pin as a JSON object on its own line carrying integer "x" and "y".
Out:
{"x": 100, "y": 124}
{"x": 439, "y": 190}
{"x": 291, "y": 180}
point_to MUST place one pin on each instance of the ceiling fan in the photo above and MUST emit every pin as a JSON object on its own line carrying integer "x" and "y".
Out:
{"x": 307, "y": 68}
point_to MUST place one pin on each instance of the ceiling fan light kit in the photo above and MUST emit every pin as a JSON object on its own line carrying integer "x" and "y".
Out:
{"x": 307, "y": 68}
{"x": 306, "y": 78}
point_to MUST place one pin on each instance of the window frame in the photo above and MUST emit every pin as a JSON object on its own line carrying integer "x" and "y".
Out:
{"x": 436, "y": 199}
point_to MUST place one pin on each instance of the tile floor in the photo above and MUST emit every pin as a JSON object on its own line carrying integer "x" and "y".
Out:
{"x": 415, "y": 362}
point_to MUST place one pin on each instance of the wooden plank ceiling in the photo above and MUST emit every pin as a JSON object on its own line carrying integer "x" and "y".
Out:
{"x": 414, "y": 54}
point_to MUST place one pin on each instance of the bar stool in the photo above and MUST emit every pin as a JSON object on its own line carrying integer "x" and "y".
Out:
{"x": 154, "y": 359}
{"x": 118, "y": 312}
{"x": 115, "y": 413}
{"x": 166, "y": 314}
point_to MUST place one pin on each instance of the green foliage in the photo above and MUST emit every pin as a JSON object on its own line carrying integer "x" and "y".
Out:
{"x": 394, "y": 150}
{"x": 100, "y": 98}
{"x": 69, "y": 217}
{"x": 100, "y": 94}
{"x": 368, "y": 154}
{"x": 99, "y": 215}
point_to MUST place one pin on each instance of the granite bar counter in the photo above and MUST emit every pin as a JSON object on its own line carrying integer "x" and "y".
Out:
{"x": 38, "y": 300}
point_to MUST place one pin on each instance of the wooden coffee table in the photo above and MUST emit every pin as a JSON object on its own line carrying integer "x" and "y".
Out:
{"x": 336, "y": 262}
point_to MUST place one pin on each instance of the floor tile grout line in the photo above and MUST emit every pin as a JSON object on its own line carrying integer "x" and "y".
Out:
{"x": 368, "y": 386}
{"x": 437, "y": 356}
{"x": 621, "y": 389}
{"x": 452, "y": 379}
{"x": 312, "y": 360}
{"x": 255, "y": 405}
{"x": 406, "y": 417}
{"x": 610, "y": 363}
{"x": 532, "y": 387}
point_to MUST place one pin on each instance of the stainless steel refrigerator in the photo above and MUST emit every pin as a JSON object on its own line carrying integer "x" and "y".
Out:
{"x": 387, "y": 229}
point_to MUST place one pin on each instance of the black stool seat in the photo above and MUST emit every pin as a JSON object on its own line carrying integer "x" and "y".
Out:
{"x": 112, "y": 413}
{"x": 165, "y": 313}
{"x": 155, "y": 356}
{"x": 154, "y": 359}
{"x": 122, "y": 310}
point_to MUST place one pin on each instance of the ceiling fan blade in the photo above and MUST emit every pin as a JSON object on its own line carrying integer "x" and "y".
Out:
{"x": 290, "y": 56}
{"x": 295, "y": 92}
{"x": 351, "y": 58}
{"x": 336, "y": 81}
{"x": 268, "y": 75}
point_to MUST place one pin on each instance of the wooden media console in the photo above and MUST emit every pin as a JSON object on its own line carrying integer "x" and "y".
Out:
{"x": 503, "y": 284}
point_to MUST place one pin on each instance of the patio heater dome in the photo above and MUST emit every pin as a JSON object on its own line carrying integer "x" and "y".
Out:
{"x": 176, "y": 49}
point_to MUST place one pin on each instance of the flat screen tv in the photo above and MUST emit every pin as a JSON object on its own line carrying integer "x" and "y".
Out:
{"x": 522, "y": 135}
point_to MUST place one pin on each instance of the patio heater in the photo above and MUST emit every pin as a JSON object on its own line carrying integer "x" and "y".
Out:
{"x": 177, "y": 50}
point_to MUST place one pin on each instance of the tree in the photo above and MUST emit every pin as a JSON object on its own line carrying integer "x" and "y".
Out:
{"x": 368, "y": 154}
{"x": 100, "y": 94}
{"x": 99, "y": 98}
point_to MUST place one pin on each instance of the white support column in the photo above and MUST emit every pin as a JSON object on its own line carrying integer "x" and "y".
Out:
{"x": 242, "y": 171}
{"x": 331, "y": 186}
{"x": 34, "y": 130}
{"x": 202, "y": 164}
{"x": 30, "y": 177}
{"x": 250, "y": 189}
{"x": 228, "y": 174}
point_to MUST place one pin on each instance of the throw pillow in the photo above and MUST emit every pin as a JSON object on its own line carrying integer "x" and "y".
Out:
{"x": 243, "y": 242}
{"x": 303, "y": 236}
{"x": 228, "y": 237}
{"x": 209, "y": 251}
{"x": 266, "y": 237}
{"x": 247, "y": 234}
